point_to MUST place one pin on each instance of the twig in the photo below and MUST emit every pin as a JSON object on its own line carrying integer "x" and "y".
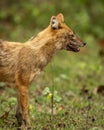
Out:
{"x": 52, "y": 99}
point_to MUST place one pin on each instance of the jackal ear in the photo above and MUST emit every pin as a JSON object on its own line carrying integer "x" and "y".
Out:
{"x": 54, "y": 22}
{"x": 60, "y": 17}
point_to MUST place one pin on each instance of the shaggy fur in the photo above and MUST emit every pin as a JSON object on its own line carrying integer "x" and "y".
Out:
{"x": 20, "y": 63}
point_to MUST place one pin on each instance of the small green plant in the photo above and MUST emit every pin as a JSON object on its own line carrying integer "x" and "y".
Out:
{"x": 49, "y": 95}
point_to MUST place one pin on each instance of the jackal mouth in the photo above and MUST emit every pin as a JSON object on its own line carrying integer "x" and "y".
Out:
{"x": 73, "y": 48}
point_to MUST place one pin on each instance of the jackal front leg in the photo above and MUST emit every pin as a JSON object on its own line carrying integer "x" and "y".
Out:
{"x": 22, "y": 113}
{"x": 19, "y": 112}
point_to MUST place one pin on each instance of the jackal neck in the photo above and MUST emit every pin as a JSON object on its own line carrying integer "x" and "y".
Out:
{"x": 45, "y": 44}
{"x": 43, "y": 47}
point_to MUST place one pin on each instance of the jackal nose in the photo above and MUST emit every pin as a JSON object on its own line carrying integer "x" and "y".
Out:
{"x": 84, "y": 43}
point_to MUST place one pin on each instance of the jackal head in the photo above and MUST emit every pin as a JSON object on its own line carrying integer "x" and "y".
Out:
{"x": 66, "y": 38}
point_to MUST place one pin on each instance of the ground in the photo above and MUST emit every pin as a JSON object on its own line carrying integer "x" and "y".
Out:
{"x": 77, "y": 80}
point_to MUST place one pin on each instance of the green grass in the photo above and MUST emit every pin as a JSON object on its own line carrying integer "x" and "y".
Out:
{"x": 75, "y": 76}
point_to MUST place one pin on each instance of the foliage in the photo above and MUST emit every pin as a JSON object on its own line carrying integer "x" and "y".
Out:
{"x": 77, "y": 77}
{"x": 49, "y": 95}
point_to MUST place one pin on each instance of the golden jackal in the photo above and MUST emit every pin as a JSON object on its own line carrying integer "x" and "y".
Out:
{"x": 20, "y": 63}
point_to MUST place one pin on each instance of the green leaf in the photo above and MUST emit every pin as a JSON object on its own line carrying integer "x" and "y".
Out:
{"x": 46, "y": 91}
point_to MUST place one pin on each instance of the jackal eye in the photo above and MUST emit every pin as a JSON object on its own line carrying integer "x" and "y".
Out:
{"x": 72, "y": 35}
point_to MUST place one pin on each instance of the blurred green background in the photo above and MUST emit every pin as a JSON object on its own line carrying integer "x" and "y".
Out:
{"x": 77, "y": 77}
{"x": 21, "y": 19}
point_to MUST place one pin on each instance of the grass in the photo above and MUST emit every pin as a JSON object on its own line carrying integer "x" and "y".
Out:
{"x": 76, "y": 78}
